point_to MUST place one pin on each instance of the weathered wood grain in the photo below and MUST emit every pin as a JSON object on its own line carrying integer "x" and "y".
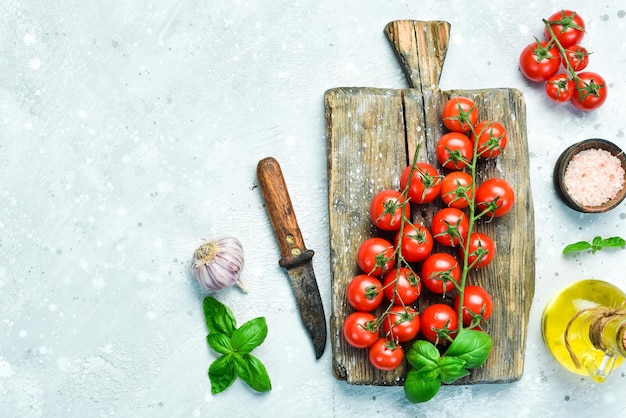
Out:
{"x": 372, "y": 135}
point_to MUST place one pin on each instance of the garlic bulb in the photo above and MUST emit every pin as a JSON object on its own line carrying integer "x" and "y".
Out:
{"x": 218, "y": 264}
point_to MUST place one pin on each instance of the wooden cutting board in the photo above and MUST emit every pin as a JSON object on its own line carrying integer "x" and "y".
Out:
{"x": 372, "y": 135}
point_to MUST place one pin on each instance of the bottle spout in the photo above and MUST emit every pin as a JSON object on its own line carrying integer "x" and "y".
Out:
{"x": 600, "y": 372}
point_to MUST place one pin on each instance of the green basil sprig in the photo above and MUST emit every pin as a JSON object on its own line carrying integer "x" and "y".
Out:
{"x": 234, "y": 344}
{"x": 596, "y": 244}
{"x": 468, "y": 350}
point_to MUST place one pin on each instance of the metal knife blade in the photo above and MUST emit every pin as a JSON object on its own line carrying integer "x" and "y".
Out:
{"x": 296, "y": 258}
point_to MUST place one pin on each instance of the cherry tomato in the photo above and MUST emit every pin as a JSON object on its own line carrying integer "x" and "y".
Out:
{"x": 577, "y": 57}
{"x": 441, "y": 273}
{"x": 401, "y": 324}
{"x": 568, "y": 27}
{"x": 457, "y": 189}
{"x": 425, "y": 183}
{"x": 417, "y": 242}
{"x": 482, "y": 250}
{"x": 359, "y": 329}
{"x": 449, "y": 226}
{"x": 495, "y": 196}
{"x": 591, "y": 91}
{"x": 560, "y": 88}
{"x": 386, "y": 354}
{"x": 491, "y": 137}
{"x": 439, "y": 324}
{"x": 364, "y": 293}
{"x": 375, "y": 256}
{"x": 402, "y": 286}
{"x": 538, "y": 62}
{"x": 460, "y": 114}
{"x": 386, "y": 209}
{"x": 477, "y": 306}
{"x": 454, "y": 150}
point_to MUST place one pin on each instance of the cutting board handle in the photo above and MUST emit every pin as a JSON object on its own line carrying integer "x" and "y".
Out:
{"x": 421, "y": 48}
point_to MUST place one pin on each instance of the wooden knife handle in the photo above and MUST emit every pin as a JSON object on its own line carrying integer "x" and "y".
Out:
{"x": 282, "y": 216}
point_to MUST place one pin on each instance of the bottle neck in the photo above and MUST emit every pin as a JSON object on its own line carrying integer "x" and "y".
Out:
{"x": 608, "y": 333}
{"x": 607, "y": 330}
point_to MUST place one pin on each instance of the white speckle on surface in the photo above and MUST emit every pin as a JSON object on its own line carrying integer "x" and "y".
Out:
{"x": 98, "y": 283}
{"x": 5, "y": 369}
{"x": 30, "y": 39}
{"x": 64, "y": 363}
{"x": 23, "y": 333}
{"x": 165, "y": 187}
{"x": 35, "y": 63}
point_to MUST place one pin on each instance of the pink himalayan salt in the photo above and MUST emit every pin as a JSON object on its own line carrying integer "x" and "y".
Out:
{"x": 593, "y": 177}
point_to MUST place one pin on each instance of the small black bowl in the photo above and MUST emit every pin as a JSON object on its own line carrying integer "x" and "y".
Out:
{"x": 561, "y": 166}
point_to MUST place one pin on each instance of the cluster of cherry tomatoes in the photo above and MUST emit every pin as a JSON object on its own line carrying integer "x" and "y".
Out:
{"x": 542, "y": 61}
{"x": 404, "y": 256}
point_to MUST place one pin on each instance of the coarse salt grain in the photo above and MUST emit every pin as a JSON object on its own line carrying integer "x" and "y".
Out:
{"x": 593, "y": 177}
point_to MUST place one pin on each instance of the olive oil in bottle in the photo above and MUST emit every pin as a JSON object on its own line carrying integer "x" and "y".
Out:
{"x": 584, "y": 327}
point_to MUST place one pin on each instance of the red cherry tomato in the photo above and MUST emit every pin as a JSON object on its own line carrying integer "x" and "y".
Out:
{"x": 481, "y": 249}
{"x": 560, "y": 88}
{"x": 402, "y": 286}
{"x": 577, "y": 57}
{"x": 387, "y": 208}
{"x": 439, "y": 324}
{"x": 491, "y": 137}
{"x": 538, "y": 62}
{"x": 417, "y": 242}
{"x": 460, "y": 114}
{"x": 385, "y": 354}
{"x": 495, "y": 196}
{"x": 454, "y": 150}
{"x": 424, "y": 185}
{"x": 449, "y": 226}
{"x": 375, "y": 256}
{"x": 401, "y": 324}
{"x": 364, "y": 293}
{"x": 591, "y": 91}
{"x": 457, "y": 189}
{"x": 477, "y": 306}
{"x": 359, "y": 329}
{"x": 568, "y": 27}
{"x": 441, "y": 273}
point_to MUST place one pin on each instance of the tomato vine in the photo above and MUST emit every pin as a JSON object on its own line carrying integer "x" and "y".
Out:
{"x": 449, "y": 346}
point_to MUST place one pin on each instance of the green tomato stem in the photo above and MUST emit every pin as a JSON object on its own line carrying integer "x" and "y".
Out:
{"x": 564, "y": 60}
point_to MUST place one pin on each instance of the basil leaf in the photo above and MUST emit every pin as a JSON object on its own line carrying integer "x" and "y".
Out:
{"x": 222, "y": 373}
{"x": 451, "y": 369}
{"x": 471, "y": 346}
{"x": 613, "y": 242}
{"x": 219, "y": 343}
{"x": 249, "y": 335}
{"x": 253, "y": 372}
{"x": 422, "y": 352}
{"x": 424, "y": 356}
{"x": 596, "y": 242}
{"x": 577, "y": 246}
{"x": 419, "y": 390}
{"x": 219, "y": 317}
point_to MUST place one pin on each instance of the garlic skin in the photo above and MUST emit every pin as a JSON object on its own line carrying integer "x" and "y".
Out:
{"x": 218, "y": 264}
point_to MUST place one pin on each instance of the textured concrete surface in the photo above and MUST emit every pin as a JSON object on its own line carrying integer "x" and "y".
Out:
{"x": 130, "y": 132}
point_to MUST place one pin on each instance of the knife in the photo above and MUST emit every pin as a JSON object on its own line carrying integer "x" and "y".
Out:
{"x": 296, "y": 258}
